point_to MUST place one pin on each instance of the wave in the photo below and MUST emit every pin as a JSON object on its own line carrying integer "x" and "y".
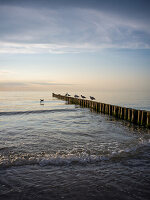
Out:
{"x": 70, "y": 159}
{"x": 51, "y": 160}
{"x": 36, "y": 111}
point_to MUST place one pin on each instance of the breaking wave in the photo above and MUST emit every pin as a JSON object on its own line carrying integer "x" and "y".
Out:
{"x": 57, "y": 159}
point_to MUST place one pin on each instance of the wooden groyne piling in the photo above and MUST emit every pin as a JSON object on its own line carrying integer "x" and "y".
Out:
{"x": 140, "y": 117}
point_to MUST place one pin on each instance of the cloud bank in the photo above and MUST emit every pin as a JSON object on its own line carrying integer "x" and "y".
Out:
{"x": 31, "y": 30}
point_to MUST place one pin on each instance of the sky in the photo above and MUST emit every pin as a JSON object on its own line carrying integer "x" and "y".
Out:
{"x": 74, "y": 45}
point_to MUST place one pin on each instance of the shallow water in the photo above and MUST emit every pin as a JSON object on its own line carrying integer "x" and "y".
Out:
{"x": 61, "y": 151}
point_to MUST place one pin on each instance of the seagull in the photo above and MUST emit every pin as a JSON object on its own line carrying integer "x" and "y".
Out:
{"x": 67, "y": 95}
{"x": 76, "y": 96}
{"x": 42, "y": 101}
{"x": 92, "y": 98}
{"x": 83, "y": 96}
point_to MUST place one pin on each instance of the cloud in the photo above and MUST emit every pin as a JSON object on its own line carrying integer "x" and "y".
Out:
{"x": 4, "y": 72}
{"x": 49, "y": 83}
{"x": 62, "y": 30}
{"x": 12, "y": 84}
{"x": 26, "y": 86}
{"x": 24, "y": 48}
{"x": 32, "y": 83}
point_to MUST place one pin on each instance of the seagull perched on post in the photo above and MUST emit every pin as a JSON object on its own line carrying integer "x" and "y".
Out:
{"x": 67, "y": 95}
{"x": 83, "y": 96}
{"x": 76, "y": 96}
{"x": 92, "y": 98}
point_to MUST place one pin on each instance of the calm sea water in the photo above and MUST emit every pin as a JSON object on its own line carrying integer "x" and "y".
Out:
{"x": 61, "y": 151}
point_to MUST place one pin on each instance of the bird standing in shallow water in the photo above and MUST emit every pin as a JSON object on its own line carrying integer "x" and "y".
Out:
{"x": 42, "y": 101}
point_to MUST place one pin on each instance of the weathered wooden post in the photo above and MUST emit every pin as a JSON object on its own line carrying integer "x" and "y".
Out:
{"x": 69, "y": 100}
{"x": 96, "y": 106}
{"x": 87, "y": 103}
{"x": 140, "y": 117}
{"x": 119, "y": 111}
{"x": 75, "y": 100}
{"x": 100, "y": 107}
{"x": 65, "y": 98}
{"x": 144, "y": 118}
{"x": 110, "y": 109}
{"x": 134, "y": 117}
{"x": 115, "y": 111}
{"x": 80, "y": 102}
{"x": 129, "y": 114}
{"x": 92, "y": 106}
{"x": 103, "y": 108}
{"x": 84, "y": 103}
{"x": 125, "y": 113}
{"x": 148, "y": 119}
{"x": 122, "y": 113}
{"x": 106, "y": 108}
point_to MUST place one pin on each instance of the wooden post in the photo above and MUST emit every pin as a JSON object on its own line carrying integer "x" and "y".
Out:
{"x": 122, "y": 113}
{"x": 129, "y": 114}
{"x": 95, "y": 105}
{"x": 116, "y": 111}
{"x": 148, "y": 119}
{"x": 119, "y": 111}
{"x": 98, "y": 107}
{"x": 103, "y": 108}
{"x": 92, "y": 104}
{"x": 106, "y": 108}
{"x": 144, "y": 118}
{"x": 110, "y": 109}
{"x": 134, "y": 117}
{"x": 140, "y": 117}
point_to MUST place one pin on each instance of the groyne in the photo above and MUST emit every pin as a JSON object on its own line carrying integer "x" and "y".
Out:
{"x": 140, "y": 117}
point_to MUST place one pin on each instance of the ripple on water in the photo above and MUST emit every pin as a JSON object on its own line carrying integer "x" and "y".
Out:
{"x": 68, "y": 152}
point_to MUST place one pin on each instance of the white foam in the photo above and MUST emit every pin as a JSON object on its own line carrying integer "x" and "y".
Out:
{"x": 68, "y": 158}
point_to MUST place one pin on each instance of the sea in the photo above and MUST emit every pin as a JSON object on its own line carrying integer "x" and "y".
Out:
{"x": 54, "y": 150}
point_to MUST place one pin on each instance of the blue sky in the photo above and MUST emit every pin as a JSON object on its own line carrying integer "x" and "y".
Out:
{"x": 67, "y": 44}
